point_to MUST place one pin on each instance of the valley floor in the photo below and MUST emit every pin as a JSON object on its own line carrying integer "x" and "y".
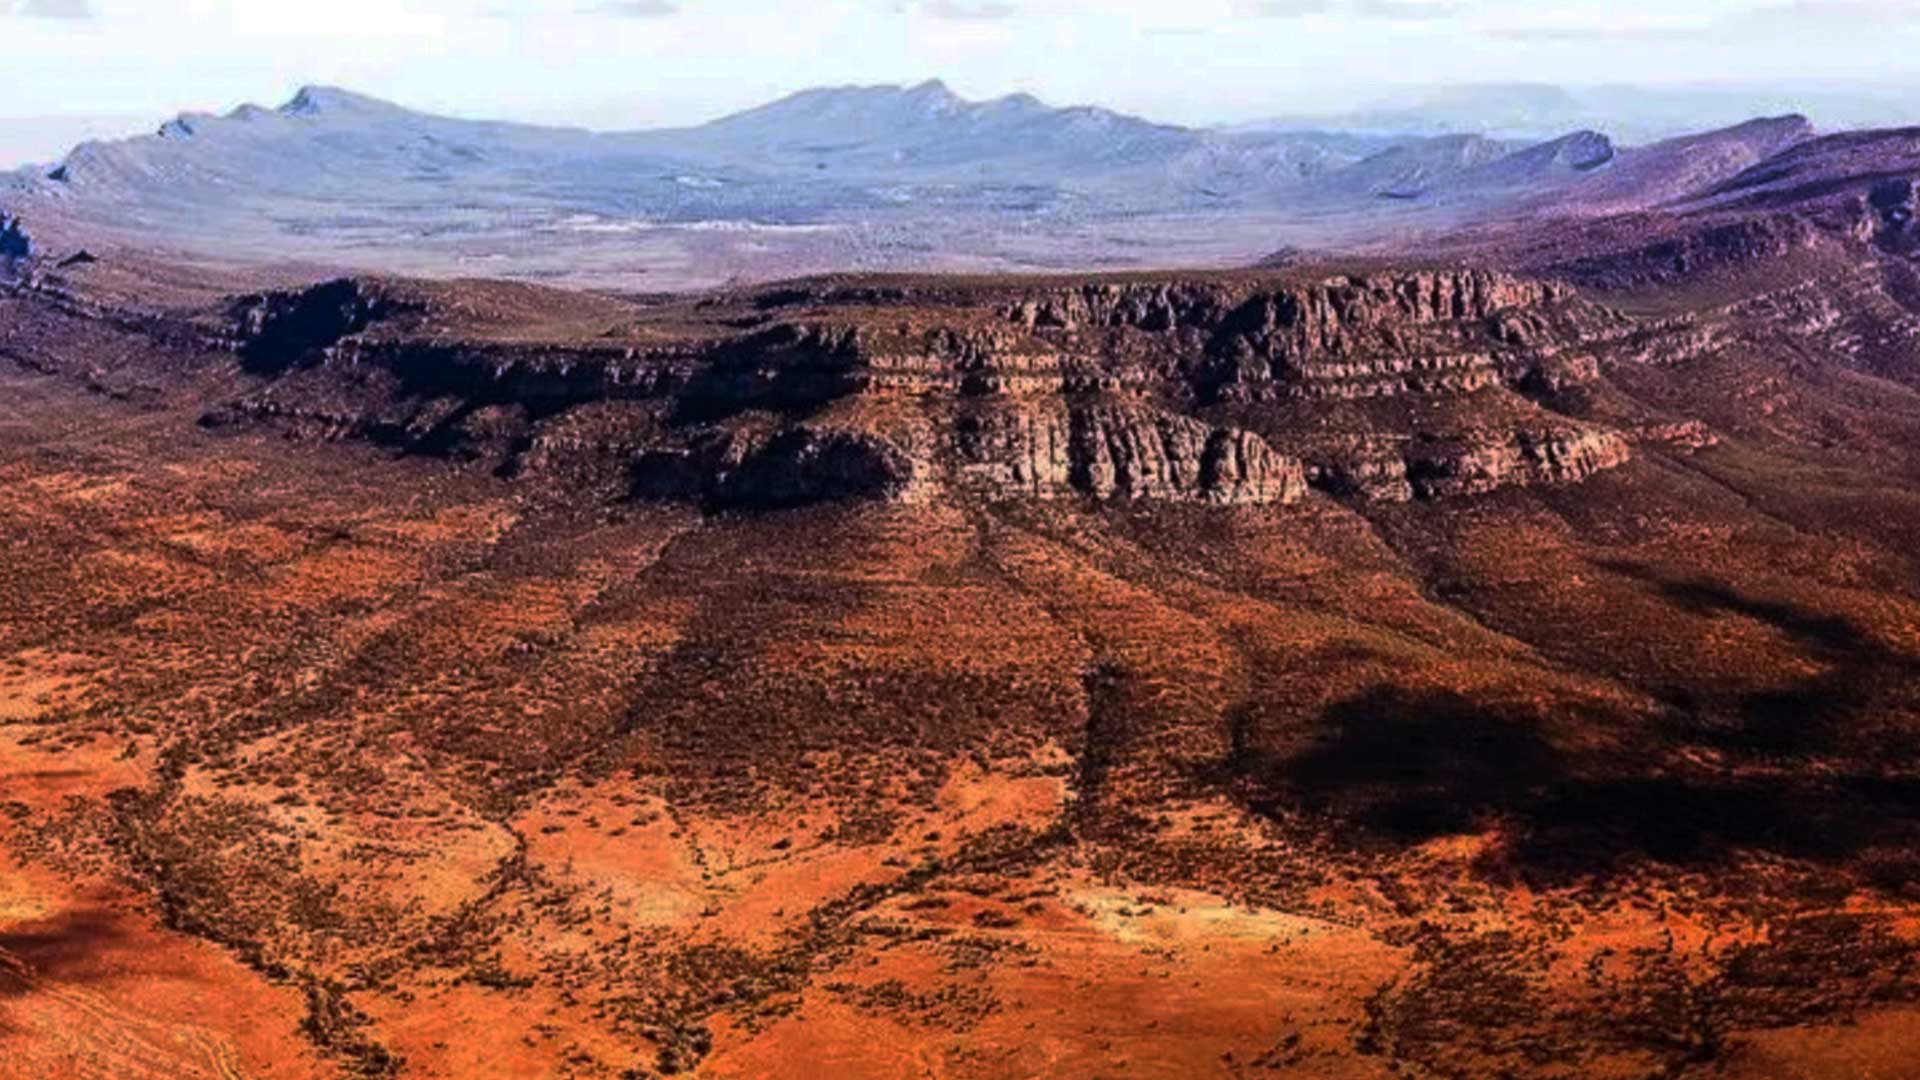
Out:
{"x": 316, "y": 762}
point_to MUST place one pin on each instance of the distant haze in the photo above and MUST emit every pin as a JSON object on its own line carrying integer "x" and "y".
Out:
{"x": 78, "y": 67}
{"x": 34, "y": 139}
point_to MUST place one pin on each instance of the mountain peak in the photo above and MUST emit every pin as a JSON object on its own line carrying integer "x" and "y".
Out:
{"x": 328, "y": 100}
{"x": 932, "y": 88}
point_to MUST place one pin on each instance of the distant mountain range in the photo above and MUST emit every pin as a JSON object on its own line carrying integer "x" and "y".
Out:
{"x": 1632, "y": 115}
{"x": 881, "y": 177}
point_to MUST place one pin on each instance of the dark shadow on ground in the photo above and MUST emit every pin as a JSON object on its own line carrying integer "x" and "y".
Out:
{"x": 1818, "y": 768}
{"x": 1834, "y": 711}
{"x": 62, "y": 948}
{"x": 1393, "y": 768}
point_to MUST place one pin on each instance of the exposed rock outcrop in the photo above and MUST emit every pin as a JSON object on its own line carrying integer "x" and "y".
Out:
{"x": 1480, "y": 463}
{"x": 280, "y": 330}
{"x": 1122, "y": 453}
{"x": 792, "y": 467}
{"x": 1694, "y": 253}
{"x": 1471, "y": 462}
{"x": 806, "y": 465}
{"x": 1684, "y": 436}
{"x": 1351, "y": 337}
{"x": 1206, "y": 389}
{"x": 1364, "y": 468}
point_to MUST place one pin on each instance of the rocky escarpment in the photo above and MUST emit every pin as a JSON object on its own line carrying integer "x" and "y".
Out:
{"x": 1476, "y": 464}
{"x": 1355, "y": 338}
{"x": 1468, "y": 461}
{"x": 1345, "y": 336}
{"x": 274, "y": 332}
{"x": 1122, "y": 452}
{"x": 1347, "y": 371}
{"x": 792, "y": 467}
{"x": 1693, "y": 251}
{"x": 1244, "y": 389}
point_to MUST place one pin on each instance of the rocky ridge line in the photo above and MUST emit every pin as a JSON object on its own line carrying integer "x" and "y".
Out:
{"x": 1235, "y": 389}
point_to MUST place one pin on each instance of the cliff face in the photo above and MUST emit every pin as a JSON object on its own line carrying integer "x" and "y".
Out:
{"x": 274, "y": 332}
{"x": 1337, "y": 315}
{"x": 1224, "y": 390}
{"x": 1117, "y": 452}
{"x": 1472, "y": 466}
{"x": 793, "y": 467}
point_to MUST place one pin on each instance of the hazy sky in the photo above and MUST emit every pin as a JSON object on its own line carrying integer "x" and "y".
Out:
{"x": 634, "y": 63}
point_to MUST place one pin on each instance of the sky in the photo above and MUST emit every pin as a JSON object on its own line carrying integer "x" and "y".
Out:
{"x": 82, "y": 68}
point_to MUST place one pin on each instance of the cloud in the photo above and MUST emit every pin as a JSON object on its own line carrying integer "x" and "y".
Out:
{"x": 1827, "y": 16}
{"x": 49, "y": 9}
{"x": 1835, "y": 10}
{"x": 1583, "y": 34}
{"x": 968, "y": 10}
{"x": 1760, "y": 21}
{"x": 636, "y": 9}
{"x": 1406, "y": 10}
{"x": 1288, "y": 9}
{"x": 1388, "y": 10}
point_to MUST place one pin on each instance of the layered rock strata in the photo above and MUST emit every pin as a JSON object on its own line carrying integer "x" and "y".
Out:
{"x": 1232, "y": 389}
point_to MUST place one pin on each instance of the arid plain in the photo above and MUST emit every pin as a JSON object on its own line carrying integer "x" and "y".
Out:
{"x": 1500, "y": 662}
